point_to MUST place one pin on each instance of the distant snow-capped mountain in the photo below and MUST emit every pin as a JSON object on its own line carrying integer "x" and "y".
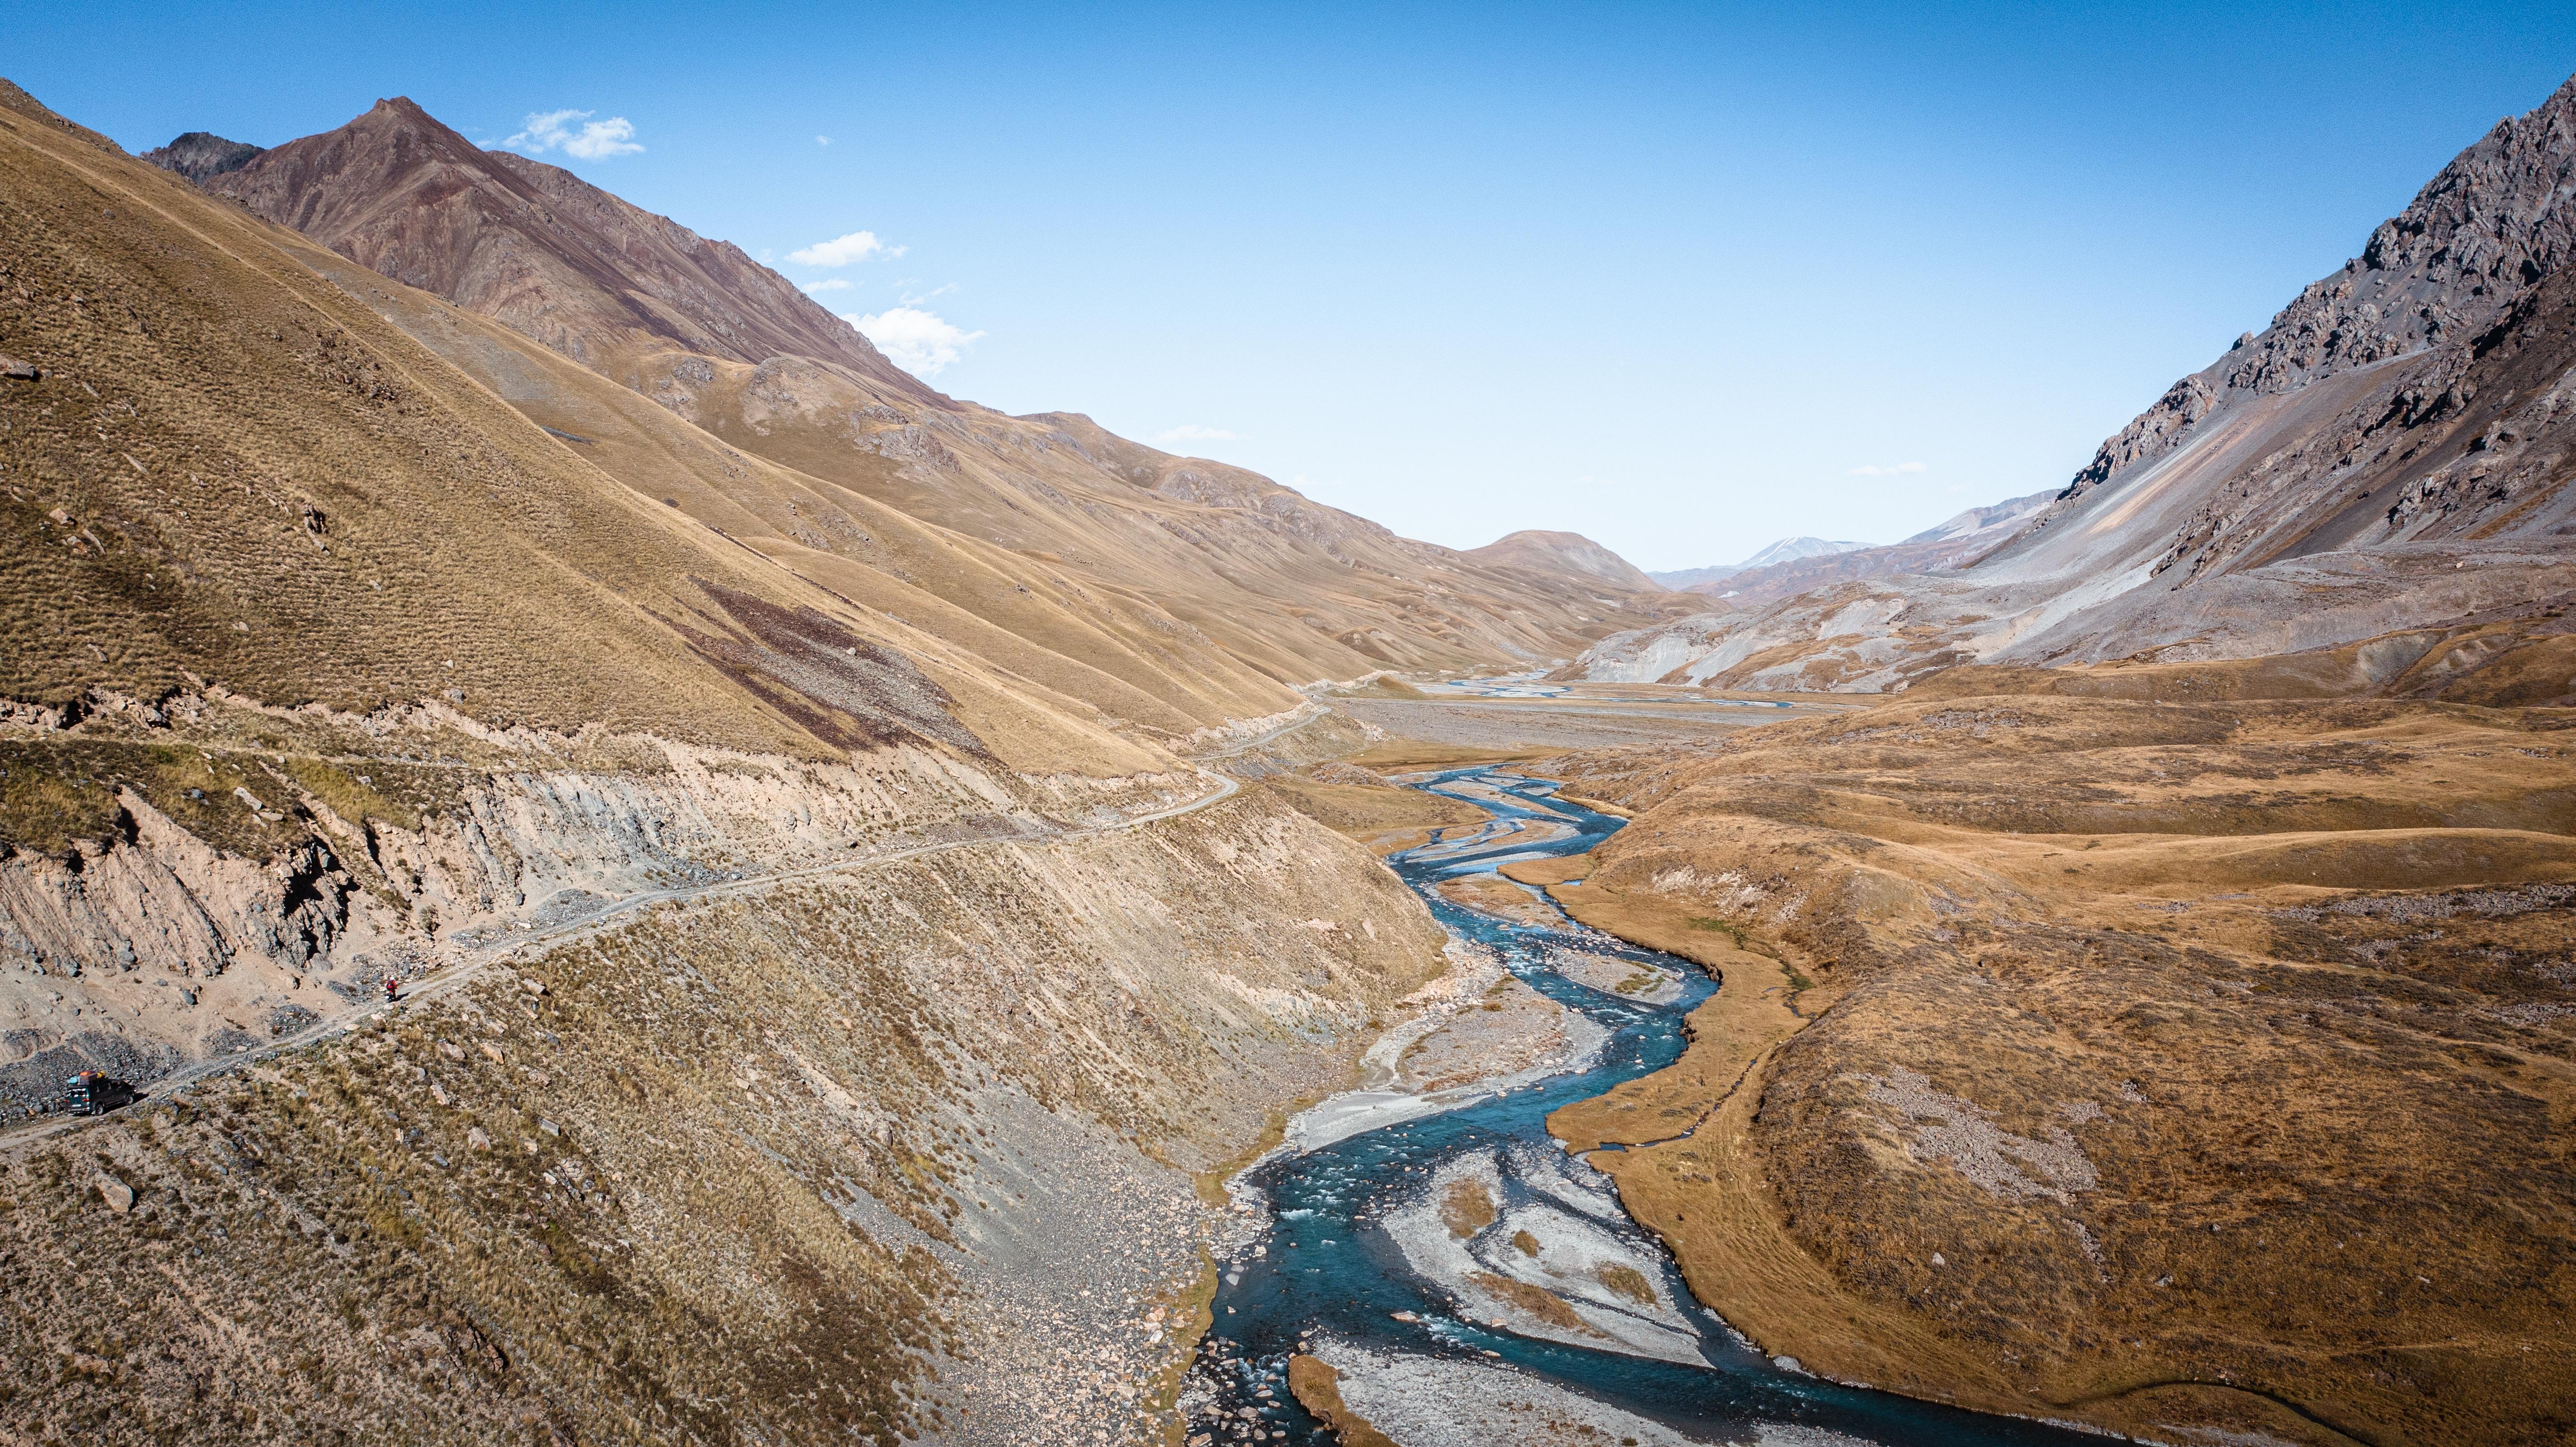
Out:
{"x": 1779, "y": 552}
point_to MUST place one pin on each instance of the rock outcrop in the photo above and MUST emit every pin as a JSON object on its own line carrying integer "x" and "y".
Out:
{"x": 201, "y": 156}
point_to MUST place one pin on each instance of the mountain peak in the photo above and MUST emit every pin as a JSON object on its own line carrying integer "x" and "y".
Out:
{"x": 1562, "y": 554}
{"x": 541, "y": 250}
{"x": 2487, "y": 228}
{"x": 1788, "y": 548}
{"x": 202, "y": 155}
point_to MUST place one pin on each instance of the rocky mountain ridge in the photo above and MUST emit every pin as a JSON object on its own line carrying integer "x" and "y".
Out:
{"x": 536, "y": 247}
{"x": 2486, "y": 228}
{"x": 2392, "y": 454}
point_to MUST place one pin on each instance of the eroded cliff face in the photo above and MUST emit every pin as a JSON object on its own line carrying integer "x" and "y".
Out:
{"x": 736, "y": 1099}
{"x": 356, "y": 848}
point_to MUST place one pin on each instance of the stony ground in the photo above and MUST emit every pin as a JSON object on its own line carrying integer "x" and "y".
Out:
{"x": 1088, "y": 1267}
{"x": 1511, "y": 1028}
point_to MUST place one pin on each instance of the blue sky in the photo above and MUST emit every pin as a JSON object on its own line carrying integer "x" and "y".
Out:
{"x": 1668, "y": 276}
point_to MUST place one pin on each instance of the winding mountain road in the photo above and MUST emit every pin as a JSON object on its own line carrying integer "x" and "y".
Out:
{"x": 484, "y": 953}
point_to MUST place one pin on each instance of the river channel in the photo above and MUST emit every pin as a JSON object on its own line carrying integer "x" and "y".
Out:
{"x": 1437, "y": 1322}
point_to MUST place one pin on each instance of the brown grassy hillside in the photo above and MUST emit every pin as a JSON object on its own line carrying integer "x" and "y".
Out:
{"x": 1169, "y": 567}
{"x": 2180, "y": 1066}
{"x": 231, "y": 472}
{"x": 873, "y": 926}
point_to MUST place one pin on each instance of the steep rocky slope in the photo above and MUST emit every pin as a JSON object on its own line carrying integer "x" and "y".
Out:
{"x": 2450, "y": 267}
{"x": 2392, "y": 452}
{"x": 2170, "y": 1048}
{"x": 1184, "y": 553}
{"x": 787, "y": 973}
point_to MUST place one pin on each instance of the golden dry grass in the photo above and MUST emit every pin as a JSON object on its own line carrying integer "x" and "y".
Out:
{"x": 1538, "y": 1301}
{"x": 1365, "y": 810}
{"x": 1496, "y": 897}
{"x": 1170, "y": 592}
{"x": 1467, "y": 1208}
{"x": 1399, "y": 755}
{"x": 1317, "y": 1388}
{"x": 234, "y": 474}
{"x": 2220, "y": 1051}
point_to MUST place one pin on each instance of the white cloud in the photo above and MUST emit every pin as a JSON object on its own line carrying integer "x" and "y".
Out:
{"x": 612, "y": 137}
{"x": 843, "y": 250}
{"x": 920, "y": 342}
{"x": 1193, "y": 432}
{"x": 829, "y": 283}
{"x": 1893, "y": 470}
{"x": 595, "y": 140}
{"x": 822, "y": 140}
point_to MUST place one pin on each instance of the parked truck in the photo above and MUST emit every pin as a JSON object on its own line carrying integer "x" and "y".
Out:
{"x": 93, "y": 1093}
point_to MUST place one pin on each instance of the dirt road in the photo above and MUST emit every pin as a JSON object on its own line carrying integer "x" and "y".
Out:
{"x": 484, "y": 953}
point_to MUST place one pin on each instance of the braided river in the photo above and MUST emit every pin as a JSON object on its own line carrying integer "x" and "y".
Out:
{"x": 1470, "y": 1281}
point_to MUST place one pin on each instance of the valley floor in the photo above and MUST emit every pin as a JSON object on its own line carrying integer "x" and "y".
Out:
{"x": 2199, "y": 1070}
